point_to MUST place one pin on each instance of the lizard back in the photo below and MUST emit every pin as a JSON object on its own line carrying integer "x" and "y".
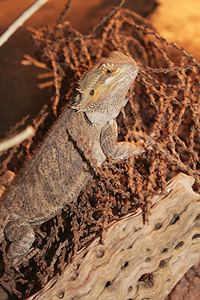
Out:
{"x": 56, "y": 173}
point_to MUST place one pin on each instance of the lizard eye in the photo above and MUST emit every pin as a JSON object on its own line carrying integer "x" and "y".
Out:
{"x": 108, "y": 68}
{"x": 91, "y": 92}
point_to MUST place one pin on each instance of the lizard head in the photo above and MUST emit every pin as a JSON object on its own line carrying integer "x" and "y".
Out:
{"x": 103, "y": 89}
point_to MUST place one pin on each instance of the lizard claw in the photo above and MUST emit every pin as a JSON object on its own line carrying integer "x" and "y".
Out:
{"x": 145, "y": 144}
{"x": 148, "y": 146}
{"x": 17, "y": 261}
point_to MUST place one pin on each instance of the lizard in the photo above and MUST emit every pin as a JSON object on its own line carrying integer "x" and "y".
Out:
{"x": 60, "y": 168}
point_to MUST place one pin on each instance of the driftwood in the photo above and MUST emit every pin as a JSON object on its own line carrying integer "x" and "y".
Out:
{"x": 137, "y": 261}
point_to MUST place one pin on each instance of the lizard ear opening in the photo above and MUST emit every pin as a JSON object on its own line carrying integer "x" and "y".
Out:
{"x": 82, "y": 101}
{"x": 91, "y": 92}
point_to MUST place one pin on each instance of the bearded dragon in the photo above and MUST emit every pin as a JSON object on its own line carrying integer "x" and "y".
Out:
{"x": 61, "y": 168}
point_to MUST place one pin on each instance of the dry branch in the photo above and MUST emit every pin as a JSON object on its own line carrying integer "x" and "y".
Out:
{"x": 17, "y": 139}
{"x": 137, "y": 261}
{"x": 21, "y": 20}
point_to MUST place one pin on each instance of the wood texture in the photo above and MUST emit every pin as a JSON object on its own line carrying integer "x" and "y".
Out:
{"x": 137, "y": 261}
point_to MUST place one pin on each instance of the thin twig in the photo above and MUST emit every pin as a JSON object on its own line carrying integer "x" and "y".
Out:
{"x": 33, "y": 61}
{"x": 45, "y": 75}
{"x": 20, "y": 21}
{"x": 17, "y": 139}
{"x": 108, "y": 16}
{"x": 63, "y": 13}
{"x": 45, "y": 84}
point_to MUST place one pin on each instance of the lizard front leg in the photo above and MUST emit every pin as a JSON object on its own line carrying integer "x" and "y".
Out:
{"x": 114, "y": 149}
{"x": 21, "y": 235}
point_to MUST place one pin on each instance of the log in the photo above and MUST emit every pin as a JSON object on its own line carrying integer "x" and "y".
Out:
{"x": 137, "y": 261}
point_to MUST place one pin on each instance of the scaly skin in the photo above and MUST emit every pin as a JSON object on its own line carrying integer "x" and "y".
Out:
{"x": 61, "y": 167}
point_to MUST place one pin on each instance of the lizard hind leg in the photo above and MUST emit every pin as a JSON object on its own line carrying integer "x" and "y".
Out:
{"x": 114, "y": 149}
{"x": 21, "y": 235}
